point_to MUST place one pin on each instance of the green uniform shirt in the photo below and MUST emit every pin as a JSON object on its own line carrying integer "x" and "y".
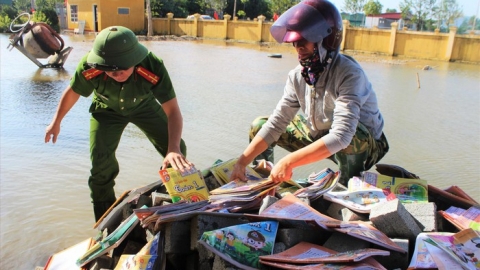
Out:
{"x": 124, "y": 98}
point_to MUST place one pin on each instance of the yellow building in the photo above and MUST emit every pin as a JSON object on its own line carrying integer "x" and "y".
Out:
{"x": 95, "y": 15}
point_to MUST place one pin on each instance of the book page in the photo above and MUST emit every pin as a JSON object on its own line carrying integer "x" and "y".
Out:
{"x": 291, "y": 207}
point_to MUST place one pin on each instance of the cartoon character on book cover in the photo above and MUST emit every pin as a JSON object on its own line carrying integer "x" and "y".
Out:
{"x": 243, "y": 243}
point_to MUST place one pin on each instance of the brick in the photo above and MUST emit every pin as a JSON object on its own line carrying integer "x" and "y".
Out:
{"x": 343, "y": 242}
{"x": 266, "y": 202}
{"x": 425, "y": 214}
{"x": 349, "y": 215}
{"x": 177, "y": 237}
{"x": 292, "y": 236}
{"x": 394, "y": 220}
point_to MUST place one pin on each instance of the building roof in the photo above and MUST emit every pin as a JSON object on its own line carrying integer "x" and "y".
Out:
{"x": 391, "y": 15}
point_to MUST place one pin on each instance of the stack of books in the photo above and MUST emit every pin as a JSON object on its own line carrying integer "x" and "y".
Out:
{"x": 239, "y": 196}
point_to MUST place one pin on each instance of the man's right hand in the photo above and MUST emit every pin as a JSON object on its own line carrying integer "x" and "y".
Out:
{"x": 52, "y": 132}
{"x": 239, "y": 172}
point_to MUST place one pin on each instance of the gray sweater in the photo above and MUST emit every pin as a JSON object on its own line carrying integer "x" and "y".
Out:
{"x": 341, "y": 98}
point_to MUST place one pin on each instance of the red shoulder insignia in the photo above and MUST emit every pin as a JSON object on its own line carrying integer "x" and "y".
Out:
{"x": 91, "y": 73}
{"x": 148, "y": 75}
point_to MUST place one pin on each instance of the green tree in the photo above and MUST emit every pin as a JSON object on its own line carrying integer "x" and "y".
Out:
{"x": 8, "y": 10}
{"x": 5, "y": 22}
{"x": 420, "y": 10}
{"x": 353, "y": 6}
{"x": 253, "y": 8}
{"x": 280, "y": 6}
{"x": 22, "y": 5}
{"x": 390, "y": 10}
{"x": 467, "y": 25}
{"x": 241, "y": 14}
{"x": 160, "y": 8}
{"x": 218, "y": 5}
{"x": 447, "y": 12}
{"x": 372, "y": 8}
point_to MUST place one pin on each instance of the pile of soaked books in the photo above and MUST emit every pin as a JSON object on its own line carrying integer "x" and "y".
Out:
{"x": 319, "y": 183}
{"x": 237, "y": 196}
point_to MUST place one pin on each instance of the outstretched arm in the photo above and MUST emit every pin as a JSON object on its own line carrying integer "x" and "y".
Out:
{"x": 283, "y": 169}
{"x": 255, "y": 148}
{"x": 68, "y": 99}
{"x": 174, "y": 155}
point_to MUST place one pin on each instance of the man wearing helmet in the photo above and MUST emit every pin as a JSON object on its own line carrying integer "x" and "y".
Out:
{"x": 342, "y": 121}
{"x": 128, "y": 84}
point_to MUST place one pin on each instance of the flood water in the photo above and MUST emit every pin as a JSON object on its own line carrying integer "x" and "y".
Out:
{"x": 433, "y": 131}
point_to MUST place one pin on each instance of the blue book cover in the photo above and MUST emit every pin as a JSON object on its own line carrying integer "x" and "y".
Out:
{"x": 241, "y": 245}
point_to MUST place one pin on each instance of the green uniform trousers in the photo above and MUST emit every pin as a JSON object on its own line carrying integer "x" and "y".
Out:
{"x": 106, "y": 128}
{"x": 362, "y": 153}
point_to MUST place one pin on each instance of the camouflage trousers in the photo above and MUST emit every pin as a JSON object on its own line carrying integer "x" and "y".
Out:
{"x": 360, "y": 155}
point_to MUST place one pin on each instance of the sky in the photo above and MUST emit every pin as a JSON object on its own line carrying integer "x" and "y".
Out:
{"x": 470, "y": 7}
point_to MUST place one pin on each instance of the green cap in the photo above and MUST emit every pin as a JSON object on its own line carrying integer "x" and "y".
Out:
{"x": 116, "y": 48}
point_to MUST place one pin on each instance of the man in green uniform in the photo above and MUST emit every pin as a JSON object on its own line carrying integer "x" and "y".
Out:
{"x": 129, "y": 85}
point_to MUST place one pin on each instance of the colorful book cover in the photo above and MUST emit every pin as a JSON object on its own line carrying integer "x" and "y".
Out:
{"x": 143, "y": 260}
{"x": 243, "y": 186}
{"x": 406, "y": 190}
{"x": 360, "y": 201}
{"x": 223, "y": 170}
{"x": 110, "y": 242}
{"x": 189, "y": 186}
{"x": 422, "y": 257}
{"x": 305, "y": 252}
{"x": 66, "y": 259}
{"x": 241, "y": 245}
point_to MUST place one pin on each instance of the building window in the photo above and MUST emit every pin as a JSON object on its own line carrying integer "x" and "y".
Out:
{"x": 124, "y": 11}
{"x": 73, "y": 13}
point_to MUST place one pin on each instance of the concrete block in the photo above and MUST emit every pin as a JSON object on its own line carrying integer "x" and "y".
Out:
{"x": 279, "y": 247}
{"x": 425, "y": 214}
{"x": 182, "y": 261}
{"x": 101, "y": 262}
{"x": 343, "y": 242}
{"x": 340, "y": 212}
{"x": 205, "y": 258}
{"x": 335, "y": 210}
{"x": 177, "y": 237}
{"x": 394, "y": 220}
{"x": 349, "y": 215}
{"x": 396, "y": 260}
{"x": 292, "y": 236}
{"x": 320, "y": 205}
{"x": 266, "y": 202}
{"x": 221, "y": 264}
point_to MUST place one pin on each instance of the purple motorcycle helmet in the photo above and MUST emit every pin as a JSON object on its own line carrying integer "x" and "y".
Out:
{"x": 313, "y": 20}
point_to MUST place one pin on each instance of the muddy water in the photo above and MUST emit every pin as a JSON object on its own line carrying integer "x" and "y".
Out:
{"x": 433, "y": 131}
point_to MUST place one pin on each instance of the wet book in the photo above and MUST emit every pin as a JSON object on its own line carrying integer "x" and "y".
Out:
{"x": 305, "y": 253}
{"x": 222, "y": 170}
{"x": 242, "y": 245}
{"x": 461, "y": 247}
{"x": 111, "y": 241}
{"x": 405, "y": 189}
{"x": 152, "y": 215}
{"x": 66, "y": 259}
{"x": 463, "y": 218}
{"x": 320, "y": 183}
{"x": 291, "y": 207}
{"x": 361, "y": 201}
{"x": 188, "y": 185}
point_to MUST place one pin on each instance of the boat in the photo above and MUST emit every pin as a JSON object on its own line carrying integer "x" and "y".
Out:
{"x": 275, "y": 55}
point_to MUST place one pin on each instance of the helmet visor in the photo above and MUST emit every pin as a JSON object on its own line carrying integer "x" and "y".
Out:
{"x": 300, "y": 21}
